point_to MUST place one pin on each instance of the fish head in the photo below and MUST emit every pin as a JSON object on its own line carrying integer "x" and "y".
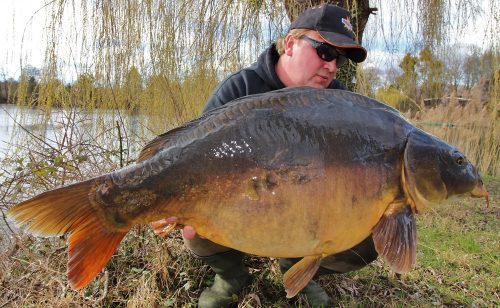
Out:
{"x": 435, "y": 171}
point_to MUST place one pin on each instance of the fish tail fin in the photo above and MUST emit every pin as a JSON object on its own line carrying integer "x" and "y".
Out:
{"x": 90, "y": 249}
{"x": 68, "y": 210}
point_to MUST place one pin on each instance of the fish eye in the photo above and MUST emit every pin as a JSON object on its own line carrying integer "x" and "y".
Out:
{"x": 459, "y": 158}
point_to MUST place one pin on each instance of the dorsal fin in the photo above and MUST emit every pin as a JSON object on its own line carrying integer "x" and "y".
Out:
{"x": 161, "y": 142}
{"x": 172, "y": 136}
{"x": 168, "y": 138}
{"x": 236, "y": 108}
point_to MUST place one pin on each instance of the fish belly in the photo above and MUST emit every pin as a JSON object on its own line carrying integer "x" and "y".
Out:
{"x": 290, "y": 213}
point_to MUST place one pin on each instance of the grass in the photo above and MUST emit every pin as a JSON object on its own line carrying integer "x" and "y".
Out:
{"x": 457, "y": 265}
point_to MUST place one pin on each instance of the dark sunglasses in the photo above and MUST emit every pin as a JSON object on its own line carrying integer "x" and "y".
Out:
{"x": 326, "y": 51}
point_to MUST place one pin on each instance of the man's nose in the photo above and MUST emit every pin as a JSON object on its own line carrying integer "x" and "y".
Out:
{"x": 331, "y": 66}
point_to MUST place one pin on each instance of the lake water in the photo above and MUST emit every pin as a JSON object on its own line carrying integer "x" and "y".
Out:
{"x": 14, "y": 118}
{"x": 18, "y": 125}
{"x": 8, "y": 116}
{"x": 17, "y": 121}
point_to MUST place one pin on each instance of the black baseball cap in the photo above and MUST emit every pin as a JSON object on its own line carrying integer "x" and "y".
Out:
{"x": 333, "y": 24}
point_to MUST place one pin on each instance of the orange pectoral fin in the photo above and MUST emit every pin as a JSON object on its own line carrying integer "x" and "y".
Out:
{"x": 395, "y": 238}
{"x": 163, "y": 227}
{"x": 299, "y": 275}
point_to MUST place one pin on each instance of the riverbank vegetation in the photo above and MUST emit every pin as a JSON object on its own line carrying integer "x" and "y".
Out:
{"x": 146, "y": 67}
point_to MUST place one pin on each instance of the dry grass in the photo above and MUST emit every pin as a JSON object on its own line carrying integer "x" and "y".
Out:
{"x": 457, "y": 266}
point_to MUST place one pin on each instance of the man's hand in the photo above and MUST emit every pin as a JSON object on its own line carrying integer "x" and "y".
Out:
{"x": 164, "y": 226}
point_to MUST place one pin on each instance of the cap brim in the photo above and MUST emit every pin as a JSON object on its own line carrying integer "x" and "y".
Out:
{"x": 354, "y": 51}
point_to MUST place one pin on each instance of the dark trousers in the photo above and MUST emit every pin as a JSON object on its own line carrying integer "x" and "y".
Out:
{"x": 349, "y": 260}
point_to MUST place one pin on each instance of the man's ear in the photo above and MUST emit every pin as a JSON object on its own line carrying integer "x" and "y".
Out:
{"x": 289, "y": 41}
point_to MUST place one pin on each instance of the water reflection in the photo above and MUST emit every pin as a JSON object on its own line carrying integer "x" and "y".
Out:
{"x": 18, "y": 123}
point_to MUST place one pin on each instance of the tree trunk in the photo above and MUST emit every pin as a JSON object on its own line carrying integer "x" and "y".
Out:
{"x": 360, "y": 12}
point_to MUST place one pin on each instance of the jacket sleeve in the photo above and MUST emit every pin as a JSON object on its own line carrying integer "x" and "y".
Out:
{"x": 231, "y": 88}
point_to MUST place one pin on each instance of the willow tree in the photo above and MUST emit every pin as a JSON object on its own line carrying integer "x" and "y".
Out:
{"x": 179, "y": 39}
{"x": 178, "y": 50}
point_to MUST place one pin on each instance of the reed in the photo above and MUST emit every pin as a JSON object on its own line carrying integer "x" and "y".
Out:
{"x": 473, "y": 128}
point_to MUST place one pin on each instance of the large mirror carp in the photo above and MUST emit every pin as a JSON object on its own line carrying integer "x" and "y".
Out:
{"x": 298, "y": 172}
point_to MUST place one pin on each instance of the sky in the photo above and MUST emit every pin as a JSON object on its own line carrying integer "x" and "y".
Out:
{"x": 23, "y": 35}
{"x": 392, "y": 45}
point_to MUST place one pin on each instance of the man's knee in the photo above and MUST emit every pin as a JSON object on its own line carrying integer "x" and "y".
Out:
{"x": 203, "y": 247}
{"x": 352, "y": 259}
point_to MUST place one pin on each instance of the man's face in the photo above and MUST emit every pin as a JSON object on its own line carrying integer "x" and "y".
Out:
{"x": 304, "y": 67}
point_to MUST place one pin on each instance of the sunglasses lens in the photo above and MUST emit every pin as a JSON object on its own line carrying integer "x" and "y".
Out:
{"x": 329, "y": 53}
{"x": 326, "y": 53}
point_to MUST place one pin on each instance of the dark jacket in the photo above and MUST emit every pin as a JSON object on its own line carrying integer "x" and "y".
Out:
{"x": 260, "y": 77}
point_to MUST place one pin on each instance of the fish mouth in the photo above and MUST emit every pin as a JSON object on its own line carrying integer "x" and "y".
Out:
{"x": 480, "y": 192}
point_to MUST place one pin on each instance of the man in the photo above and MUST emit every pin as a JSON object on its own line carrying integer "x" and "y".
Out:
{"x": 320, "y": 40}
